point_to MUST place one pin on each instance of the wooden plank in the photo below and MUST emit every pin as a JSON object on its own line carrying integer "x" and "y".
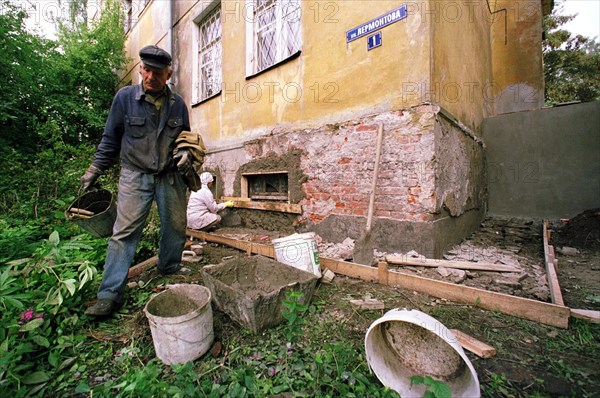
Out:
{"x": 415, "y": 262}
{"x": 350, "y": 269}
{"x": 235, "y": 198}
{"x": 588, "y": 315}
{"x": 254, "y": 248}
{"x": 368, "y": 304}
{"x": 551, "y": 265}
{"x": 546, "y": 313}
{"x": 258, "y": 173}
{"x": 470, "y": 343}
{"x": 245, "y": 203}
{"x": 136, "y": 270}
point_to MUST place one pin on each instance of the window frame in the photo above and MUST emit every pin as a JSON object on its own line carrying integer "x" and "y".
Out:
{"x": 198, "y": 93}
{"x": 253, "y": 66}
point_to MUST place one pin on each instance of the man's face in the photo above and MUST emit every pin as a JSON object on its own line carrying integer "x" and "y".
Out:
{"x": 154, "y": 79}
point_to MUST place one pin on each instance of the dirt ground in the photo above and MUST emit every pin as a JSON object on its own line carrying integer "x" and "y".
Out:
{"x": 532, "y": 359}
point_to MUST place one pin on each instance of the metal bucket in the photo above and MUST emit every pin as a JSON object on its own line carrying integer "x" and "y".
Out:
{"x": 95, "y": 211}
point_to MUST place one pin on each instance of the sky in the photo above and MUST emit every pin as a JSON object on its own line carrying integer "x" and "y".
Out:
{"x": 587, "y": 22}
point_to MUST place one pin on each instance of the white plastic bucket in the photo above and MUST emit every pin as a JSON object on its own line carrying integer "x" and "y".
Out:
{"x": 404, "y": 343}
{"x": 181, "y": 323}
{"x": 299, "y": 251}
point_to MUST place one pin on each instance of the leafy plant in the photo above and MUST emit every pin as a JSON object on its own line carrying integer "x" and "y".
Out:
{"x": 46, "y": 284}
{"x": 439, "y": 389}
{"x": 292, "y": 311}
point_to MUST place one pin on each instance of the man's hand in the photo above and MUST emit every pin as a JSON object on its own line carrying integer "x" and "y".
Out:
{"x": 88, "y": 179}
{"x": 184, "y": 161}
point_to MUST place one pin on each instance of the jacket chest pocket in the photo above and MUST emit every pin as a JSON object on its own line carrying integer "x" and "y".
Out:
{"x": 174, "y": 126}
{"x": 135, "y": 126}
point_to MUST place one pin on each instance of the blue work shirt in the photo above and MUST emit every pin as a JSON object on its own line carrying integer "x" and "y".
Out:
{"x": 144, "y": 138}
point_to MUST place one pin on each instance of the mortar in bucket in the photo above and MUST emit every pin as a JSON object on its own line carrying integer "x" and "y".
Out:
{"x": 181, "y": 323}
{"x": 404, "y": 343}
{"x": 299, "y": 251}
{"x": 95, "y": 211}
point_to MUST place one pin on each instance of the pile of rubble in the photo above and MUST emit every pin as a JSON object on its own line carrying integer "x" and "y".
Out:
{"x": 515, "y": 243}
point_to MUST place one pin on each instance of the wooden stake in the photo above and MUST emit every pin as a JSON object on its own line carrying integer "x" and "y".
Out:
{"x": 382, "y": 272}
{"x": 551, "y": 265}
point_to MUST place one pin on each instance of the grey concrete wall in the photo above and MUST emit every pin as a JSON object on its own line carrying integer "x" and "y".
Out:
{"x": 545, "y": 163}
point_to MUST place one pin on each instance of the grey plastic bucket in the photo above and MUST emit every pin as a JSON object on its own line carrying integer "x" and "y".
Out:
{"x": 103, "y": 209}
{"x": 181, "y": 323}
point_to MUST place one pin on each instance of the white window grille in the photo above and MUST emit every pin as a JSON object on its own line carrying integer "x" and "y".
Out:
{"x": 128, "y": 9}
{"x": 274, "y": 27}
{"x": 207, "y": 73}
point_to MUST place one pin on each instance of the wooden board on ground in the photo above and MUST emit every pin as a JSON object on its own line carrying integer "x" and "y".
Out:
{"x": 138, "y": 269}
{"x": 546, "y": 313}
{"x": 588, "y": 315}
{"x": 534, "y": 310}
{"x": 368, "y": 304}
{"x": 249, "y": 247}
{"x": 415, "y": 262}
{"x": 470, "y": 343}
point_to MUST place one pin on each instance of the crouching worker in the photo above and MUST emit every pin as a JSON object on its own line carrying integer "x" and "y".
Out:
{"x": 202, "y": 208}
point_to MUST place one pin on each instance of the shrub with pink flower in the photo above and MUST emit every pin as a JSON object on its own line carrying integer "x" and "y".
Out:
{"x": 28, "y": 316}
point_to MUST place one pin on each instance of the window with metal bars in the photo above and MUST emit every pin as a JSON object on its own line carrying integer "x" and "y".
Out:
{"x": 207, "y": 75}
{"x": 275, "y": 30}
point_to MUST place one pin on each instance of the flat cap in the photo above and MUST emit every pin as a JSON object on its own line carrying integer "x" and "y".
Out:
{"x": 155, "y": 57}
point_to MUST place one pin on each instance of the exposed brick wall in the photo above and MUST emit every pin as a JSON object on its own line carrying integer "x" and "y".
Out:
{"x": 420, "y": 152}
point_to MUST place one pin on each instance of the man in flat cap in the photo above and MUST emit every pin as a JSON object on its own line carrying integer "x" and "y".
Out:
{"x": 141, "y": 129}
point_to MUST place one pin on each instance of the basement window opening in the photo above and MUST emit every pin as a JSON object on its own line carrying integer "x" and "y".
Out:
{"x": 266, "y": 186}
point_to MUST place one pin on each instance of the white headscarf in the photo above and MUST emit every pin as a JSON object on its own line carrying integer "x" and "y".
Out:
{"x": 205, "y": 178}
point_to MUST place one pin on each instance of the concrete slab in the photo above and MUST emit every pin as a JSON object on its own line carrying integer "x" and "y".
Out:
{"x": 251, "y": 290}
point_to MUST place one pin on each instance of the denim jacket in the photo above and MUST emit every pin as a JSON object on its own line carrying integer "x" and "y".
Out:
{"x": 133, "y": 130}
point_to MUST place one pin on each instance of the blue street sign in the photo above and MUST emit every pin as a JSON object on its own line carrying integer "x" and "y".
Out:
{"x": 374, "y": 41}
{"x": 386, "y": 19}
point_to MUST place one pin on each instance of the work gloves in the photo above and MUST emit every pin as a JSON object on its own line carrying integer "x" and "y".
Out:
{"x": 88, "y": 179}
{"x": 184, "y": 160}
{"x": 229, "y": 203}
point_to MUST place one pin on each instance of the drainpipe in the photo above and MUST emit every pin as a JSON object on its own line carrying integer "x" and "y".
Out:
{"x": 170, "y": 38}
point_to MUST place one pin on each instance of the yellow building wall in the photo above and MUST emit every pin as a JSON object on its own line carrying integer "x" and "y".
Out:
{"x": 517, "y": 59}
{"x": 461, "y": 59}
{"x": 331, "y": 81}
{"x": 450, "y": 53}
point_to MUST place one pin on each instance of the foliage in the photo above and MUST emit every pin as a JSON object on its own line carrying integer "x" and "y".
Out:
{"x": 38, "y": 296}
{"x": 292, "y": 311}
{"x": 58, "y": 90}
{"x": 439, "y": 389}
{"x": 57, "y": 95}
{"x": 572, "y": 62}
{"x": 252, "y": 366}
